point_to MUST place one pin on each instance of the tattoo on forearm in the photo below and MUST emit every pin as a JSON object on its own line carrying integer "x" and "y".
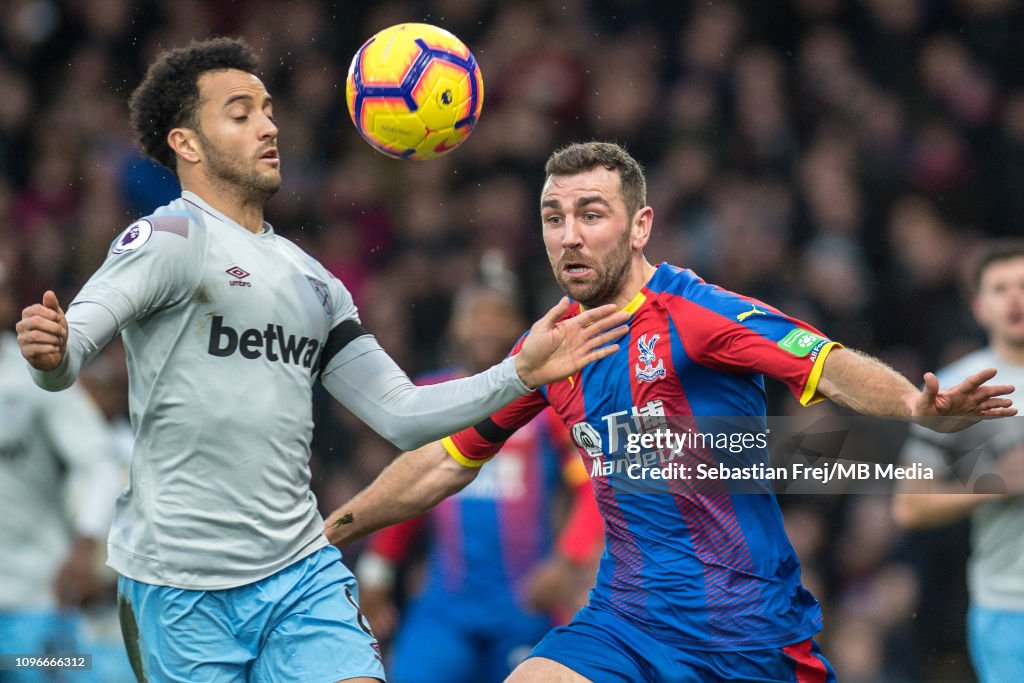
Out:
{"x": 346, "y": 518}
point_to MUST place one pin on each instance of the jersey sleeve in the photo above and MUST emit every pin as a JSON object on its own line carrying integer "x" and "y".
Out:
{"x": 727, "y": 332}
{"x": 342, "y": 303}
{"x": 475, "y": 445}
{"x": 345, "y": 324}
{"x": 153, "y": 264}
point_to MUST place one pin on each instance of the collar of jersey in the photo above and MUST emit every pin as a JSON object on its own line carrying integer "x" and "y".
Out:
{"x": 632, "y": 306}
{"x": 193, "y": 198}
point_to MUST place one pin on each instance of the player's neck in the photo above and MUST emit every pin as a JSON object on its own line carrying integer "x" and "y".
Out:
{"x": 639, "y": 275}
{"x": 1008, "y": 352}
{"x": 230, "y": 200}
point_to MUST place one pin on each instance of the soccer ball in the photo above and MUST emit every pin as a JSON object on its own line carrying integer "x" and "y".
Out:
{"x": 414, "y": 91}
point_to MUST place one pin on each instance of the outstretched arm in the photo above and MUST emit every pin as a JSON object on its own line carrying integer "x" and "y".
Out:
{"x": 868, "y": 386}
{"x": 412, "y": 484}
{"x": 368, "y": 382}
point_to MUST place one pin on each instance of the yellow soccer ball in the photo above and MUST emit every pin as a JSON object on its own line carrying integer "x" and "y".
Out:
{"x": 414, "y": 91}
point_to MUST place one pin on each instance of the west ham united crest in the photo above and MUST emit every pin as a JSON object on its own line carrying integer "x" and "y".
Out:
{"x": 322, "y": 293}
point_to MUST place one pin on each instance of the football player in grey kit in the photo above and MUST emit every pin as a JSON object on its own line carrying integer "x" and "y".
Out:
{"x": 58, "y": 481}
{"x": 225, "y": 572}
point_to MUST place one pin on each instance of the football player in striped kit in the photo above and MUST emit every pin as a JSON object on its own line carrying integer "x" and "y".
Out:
{"x": 697, "y": 583}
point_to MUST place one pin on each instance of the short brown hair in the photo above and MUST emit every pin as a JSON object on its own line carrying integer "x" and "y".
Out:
{"x": 996, "y": 251}
{"x": 168, "y": 96}
{"x": 580, "y": 157}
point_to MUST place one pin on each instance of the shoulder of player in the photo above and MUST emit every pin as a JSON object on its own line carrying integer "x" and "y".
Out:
{"x": 167, "y": 229}
{"x": 300, "y": 255}
{"x": 703, "y": 302}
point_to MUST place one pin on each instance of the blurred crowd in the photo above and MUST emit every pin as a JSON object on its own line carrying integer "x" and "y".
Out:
{"x": 840, "y": 159}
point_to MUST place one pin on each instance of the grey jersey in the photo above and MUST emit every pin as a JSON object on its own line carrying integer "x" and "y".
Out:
{"x": 58, "y": 477}
{"x": 225, "y": 333}
{"x": 996, "y": 565}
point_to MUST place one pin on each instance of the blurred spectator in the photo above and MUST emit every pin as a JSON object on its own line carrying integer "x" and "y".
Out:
{"x": 980, "y": 474}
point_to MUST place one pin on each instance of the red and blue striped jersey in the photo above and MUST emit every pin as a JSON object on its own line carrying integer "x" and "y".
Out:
{"x": 700, "y": 567}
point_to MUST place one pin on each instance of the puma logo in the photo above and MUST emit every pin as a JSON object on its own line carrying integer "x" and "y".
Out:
{"x": 746, "y": 314}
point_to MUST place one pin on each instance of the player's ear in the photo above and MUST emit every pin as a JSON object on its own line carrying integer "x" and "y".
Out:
{"x": 185, "y": 144}
{"x": 640, "y": 230}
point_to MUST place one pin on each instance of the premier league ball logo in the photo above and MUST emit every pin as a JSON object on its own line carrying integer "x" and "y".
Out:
{"x": 136, "y": 234}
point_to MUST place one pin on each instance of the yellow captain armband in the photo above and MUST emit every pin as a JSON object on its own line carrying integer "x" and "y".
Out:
{"x": 457, "y": 455}
{"x": 811, "y": 395}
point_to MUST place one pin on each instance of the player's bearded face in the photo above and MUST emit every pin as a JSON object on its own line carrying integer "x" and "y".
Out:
{"x": 237, "y": 170}
{"x": 588, "y": 235}
{"x": 610, "y": 273}
{"x": 237, "y": 134}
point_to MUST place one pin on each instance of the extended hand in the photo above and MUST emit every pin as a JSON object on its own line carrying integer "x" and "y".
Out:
{"x": 43, "y": 333}
{"x": 963, "y": 405}
{"x": 555, "y": 350}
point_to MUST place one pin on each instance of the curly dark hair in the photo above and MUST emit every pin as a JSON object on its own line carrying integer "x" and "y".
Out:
{"x": 168, "y": 96}
{"x": 581, "y": 157}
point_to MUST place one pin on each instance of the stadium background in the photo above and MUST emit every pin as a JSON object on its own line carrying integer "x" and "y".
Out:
{"x": 840, "y": 159}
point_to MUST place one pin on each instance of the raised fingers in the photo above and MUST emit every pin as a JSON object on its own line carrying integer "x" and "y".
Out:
{"x": 972, "y": 383}
{"x": 994, "y": 403}
{"x": 991, "y": 390}
{"x": 597, "y": 325}
{"x": 600, "y": 316}
{"x": 554, "y": 313}
{"x": 993, "y": 413}
{"x": 600, "y": 340}
{"x": 598, "y": 354}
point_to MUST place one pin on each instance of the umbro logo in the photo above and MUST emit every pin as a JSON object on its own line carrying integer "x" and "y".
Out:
{"x": 239, "y": 274}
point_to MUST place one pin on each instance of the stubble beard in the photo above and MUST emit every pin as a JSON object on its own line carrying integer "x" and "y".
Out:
{"x": 233, "y": 175}
{"x": 611, "y": 275}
